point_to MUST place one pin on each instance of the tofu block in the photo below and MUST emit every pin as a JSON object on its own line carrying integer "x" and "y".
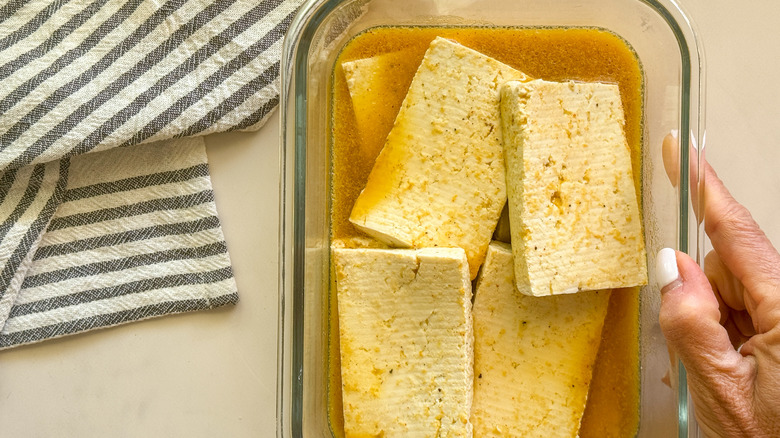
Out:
{"x": 406, "y": 341}
{"x": 533, "y": 356}
{"x": 439, "y": 179}
{"x": 369, "y": 81}
{"x": 573, "y": 210}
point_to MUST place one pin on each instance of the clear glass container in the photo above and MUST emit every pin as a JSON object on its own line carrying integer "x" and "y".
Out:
{"x": 673, "y": 66}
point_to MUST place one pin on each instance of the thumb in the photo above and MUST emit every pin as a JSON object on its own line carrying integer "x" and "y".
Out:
{"x": 720, "y": 379}
{"x": 690, "y": 313}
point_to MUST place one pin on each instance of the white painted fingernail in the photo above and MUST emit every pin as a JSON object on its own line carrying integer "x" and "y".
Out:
{"x": 666, "y": 271}
{"x": 675, "y": 133}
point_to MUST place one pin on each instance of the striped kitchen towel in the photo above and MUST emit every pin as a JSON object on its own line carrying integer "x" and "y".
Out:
{"x": 135, "y": 234}
{"x": 93, "y": 240}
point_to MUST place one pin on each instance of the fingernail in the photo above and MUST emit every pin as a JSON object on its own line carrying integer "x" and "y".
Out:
{"x": 666, "y": 272}
{"x": 675, "y": 133}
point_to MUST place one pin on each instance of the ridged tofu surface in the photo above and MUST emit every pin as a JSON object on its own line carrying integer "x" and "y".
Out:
{"x": 406, "y": 341}
{"x": 573, "y": 210}
{"x": 533, "y": 356}
{"x": 439, "y": 179}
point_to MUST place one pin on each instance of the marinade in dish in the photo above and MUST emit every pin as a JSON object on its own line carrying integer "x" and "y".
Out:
{"x": 554, "y": 54}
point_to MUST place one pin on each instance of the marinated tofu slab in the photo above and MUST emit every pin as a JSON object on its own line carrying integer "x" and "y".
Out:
{"x": 439, "y": 179}
{"x": 366, "y": 79}
{"x": 406, "y": 342}
{"x": 573, "y": 211}
{"x": 533, "y": 356}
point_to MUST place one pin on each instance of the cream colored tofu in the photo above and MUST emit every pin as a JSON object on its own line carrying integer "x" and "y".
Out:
{"x": 439, "y": 179}
{"x": 533, "y": 356}
{"x": 573, "y": 210}
{"x": 364, "y": 78}
{"x": 406, "y": 341}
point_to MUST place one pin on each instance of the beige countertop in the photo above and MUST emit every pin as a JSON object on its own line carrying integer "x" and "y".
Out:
{"x": 213, "y": 373}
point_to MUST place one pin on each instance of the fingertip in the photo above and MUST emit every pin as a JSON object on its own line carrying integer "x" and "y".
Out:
{"x": 673, "y": 268}
{"x": 670, "y": 154}
{"x": 666, "y": 273}
{"x": 690, "y": 270}
{"x": 687, "y": 296}
{"x": 713, "y": 185}
{"x": 690, "y": 313}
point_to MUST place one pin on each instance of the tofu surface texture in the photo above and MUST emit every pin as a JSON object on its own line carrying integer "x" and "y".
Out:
{"x": 533, "y": 356}
{"x": 366, "y": 79}
{"x": 439, "y": 180}
{"x": 406, "y": 342}
{"x": 573, "y": 210}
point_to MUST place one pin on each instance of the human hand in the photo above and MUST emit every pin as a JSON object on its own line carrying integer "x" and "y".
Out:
{"x": 724, "y": 323}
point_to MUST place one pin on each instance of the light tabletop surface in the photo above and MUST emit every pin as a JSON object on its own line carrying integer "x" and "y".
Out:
{"x": 213, "y": 373}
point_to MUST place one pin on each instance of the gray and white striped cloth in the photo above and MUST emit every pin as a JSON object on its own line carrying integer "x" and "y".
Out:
{"x": 94, "y": 240}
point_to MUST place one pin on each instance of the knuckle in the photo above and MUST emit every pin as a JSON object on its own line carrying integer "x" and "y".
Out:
{"x": 731, "y": 220}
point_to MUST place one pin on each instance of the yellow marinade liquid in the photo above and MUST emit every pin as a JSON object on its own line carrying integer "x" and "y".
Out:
{"x": 553, "y": 54}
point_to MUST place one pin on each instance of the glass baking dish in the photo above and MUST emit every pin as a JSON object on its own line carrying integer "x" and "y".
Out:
{"x": 671, "y": 57}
